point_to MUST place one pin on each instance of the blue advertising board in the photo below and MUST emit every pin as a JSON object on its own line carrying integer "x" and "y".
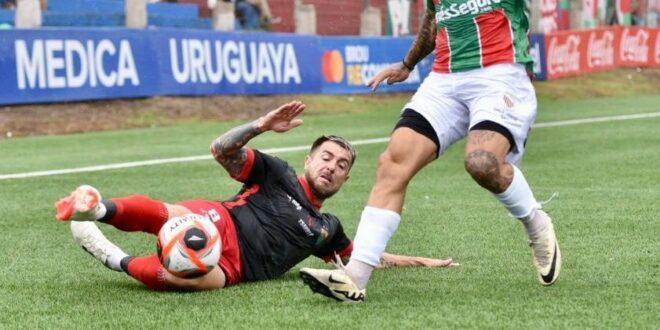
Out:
{"x": 56, "y": 65}
{"x": 348, "y": 64}
{"x": 63, "y": 65}
{"x": 198, "y": 62}
{"x": 50, "y": 65}
{"x": 537, "y": 49}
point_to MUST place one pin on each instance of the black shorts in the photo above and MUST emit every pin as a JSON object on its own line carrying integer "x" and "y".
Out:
{"x": 416, "y": 122}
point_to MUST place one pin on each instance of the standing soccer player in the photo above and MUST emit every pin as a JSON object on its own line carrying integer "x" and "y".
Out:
{"x": 479, "y": 88}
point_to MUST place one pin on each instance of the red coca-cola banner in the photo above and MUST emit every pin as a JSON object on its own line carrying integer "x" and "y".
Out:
{"x": 600, "y": 50}
{"x": 634, "y": 47}
{"x": 563, "y": 53}
{"x": 571, "y": 53}
{"x": 655, "y": 36}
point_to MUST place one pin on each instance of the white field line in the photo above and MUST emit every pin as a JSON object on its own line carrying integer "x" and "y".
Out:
{"x": 290, "y": 149}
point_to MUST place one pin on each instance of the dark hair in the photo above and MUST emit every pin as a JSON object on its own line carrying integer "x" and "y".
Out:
{"x": 338, "y": 140}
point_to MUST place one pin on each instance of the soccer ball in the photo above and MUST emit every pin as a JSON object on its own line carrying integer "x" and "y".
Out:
{"x": 189, "y": 246}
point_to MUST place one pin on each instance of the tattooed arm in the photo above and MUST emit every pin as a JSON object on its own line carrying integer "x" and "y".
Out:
{"x": 425, "y": 41}
{"x": 228, "y": 149}
{"x": 423, "y": 45}
{"x": 393, "y": 260}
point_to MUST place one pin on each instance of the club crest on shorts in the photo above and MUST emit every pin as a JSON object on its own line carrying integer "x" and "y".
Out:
{"x": 507, "y": 101}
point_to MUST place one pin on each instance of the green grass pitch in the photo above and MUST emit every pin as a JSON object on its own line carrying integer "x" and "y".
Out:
{"x": 607, "y": 218}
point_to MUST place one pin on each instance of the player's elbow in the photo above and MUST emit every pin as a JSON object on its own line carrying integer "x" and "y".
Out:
{"x": 217, "y": 150}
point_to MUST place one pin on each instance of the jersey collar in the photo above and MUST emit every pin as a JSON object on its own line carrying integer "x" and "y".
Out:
{"x": 308, "y": 192}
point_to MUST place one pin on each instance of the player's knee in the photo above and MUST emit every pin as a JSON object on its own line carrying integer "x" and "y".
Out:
{"x": 213, "y": 280}
{"x": 392, "y": 171}
{"x": 484, "y": 167}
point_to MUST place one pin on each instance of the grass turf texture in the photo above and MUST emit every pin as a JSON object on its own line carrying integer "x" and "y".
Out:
{"x": 606, "y": 218}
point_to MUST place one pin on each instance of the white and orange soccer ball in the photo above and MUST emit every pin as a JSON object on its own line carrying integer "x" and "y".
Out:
{"x": 189, "y": 246}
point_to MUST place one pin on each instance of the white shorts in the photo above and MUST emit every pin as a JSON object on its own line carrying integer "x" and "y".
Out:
{"x": 454, "y": 102}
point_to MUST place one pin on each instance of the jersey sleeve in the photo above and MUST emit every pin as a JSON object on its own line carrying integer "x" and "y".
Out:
{"x": 259, "y": 167}
{"x": 339, "y": 244}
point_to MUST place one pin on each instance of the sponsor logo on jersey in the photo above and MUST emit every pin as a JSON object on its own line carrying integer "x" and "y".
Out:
{"x": 470, "y": 7}
{"x": 305, "y": 228}
{"x": 294, "y": 202}
{"x": 213, "y": 215}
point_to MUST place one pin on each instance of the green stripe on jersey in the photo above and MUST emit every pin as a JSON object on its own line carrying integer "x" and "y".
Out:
{"x": 464, "y": 43}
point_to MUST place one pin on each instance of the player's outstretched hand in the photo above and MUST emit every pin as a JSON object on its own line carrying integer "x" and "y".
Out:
{"x": 283, "y": 118}
{"x": 430, "y": 262}
{"x": 394, "y": 260}
{"x": 394, "y": 73}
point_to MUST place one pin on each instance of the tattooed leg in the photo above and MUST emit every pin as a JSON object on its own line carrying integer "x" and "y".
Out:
{"x": 485, "y": 160}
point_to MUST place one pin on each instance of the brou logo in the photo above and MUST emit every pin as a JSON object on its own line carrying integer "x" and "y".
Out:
{"x": 471, "y": 7}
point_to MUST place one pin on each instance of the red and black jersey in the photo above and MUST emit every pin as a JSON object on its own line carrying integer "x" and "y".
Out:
{"x": 278, "y": 220}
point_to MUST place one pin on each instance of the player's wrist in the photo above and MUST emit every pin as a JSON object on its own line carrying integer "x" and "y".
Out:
{"x": 260, "y": 125}
{"x": 405, "y": 65}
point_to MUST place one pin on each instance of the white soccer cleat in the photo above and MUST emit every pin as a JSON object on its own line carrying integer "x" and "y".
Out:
{"x": 83, "y": 204}
{"x": 92, "y": 240}
{"x": 545, "y": 250}
{"x": 333, "y": 283}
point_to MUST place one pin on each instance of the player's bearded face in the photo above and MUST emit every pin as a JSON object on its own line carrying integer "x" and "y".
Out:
{"x": 326, "y": 169}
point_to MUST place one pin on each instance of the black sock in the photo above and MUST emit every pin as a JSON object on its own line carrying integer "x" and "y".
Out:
{"x": 124, "y": 263}
{"x": 110, "y": 210}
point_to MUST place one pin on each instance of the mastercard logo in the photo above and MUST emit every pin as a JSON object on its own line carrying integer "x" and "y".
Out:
{"x": 332, "y": 66}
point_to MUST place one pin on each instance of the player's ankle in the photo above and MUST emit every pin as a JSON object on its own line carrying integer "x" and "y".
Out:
{"x": 107, "y": 212}
{"x": 359, "y": 272}
{"x": 535, "y": 222}
{"x": 115, "y": 259}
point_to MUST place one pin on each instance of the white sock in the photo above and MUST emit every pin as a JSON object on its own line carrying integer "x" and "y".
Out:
{"x": 535, "y": 223}
{"x": 100, "y": 211}
{"x": 374, "y": 231}
{"x": 114, "y": 259}
{"x": 519, "y": 200}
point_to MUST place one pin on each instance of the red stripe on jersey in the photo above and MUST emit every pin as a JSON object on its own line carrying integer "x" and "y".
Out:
{"x": 442, "y": 62}
{"x": 308, "y": 192}
{"x": 247, "y": 167}
{"x": 496, "y": 38}
{"x": 242, "y": 198}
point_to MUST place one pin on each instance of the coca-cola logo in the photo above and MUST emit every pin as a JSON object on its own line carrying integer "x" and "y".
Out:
{"x": 564, "y": 58}
{"x": 635, "y": 46}
{"x": 657, "y": 48}
{"x": 600, "y": 51}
